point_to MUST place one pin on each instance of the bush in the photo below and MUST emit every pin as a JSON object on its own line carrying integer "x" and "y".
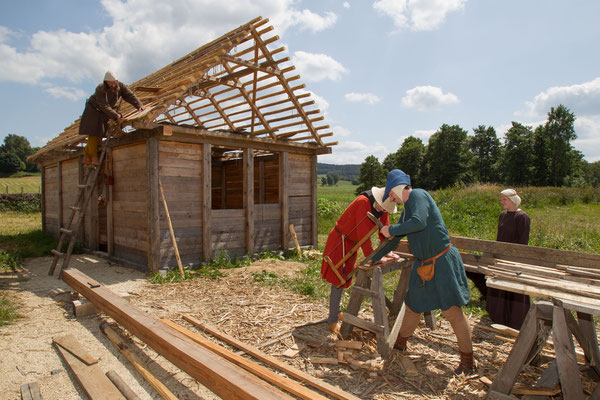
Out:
{"x": 26, "y": 202}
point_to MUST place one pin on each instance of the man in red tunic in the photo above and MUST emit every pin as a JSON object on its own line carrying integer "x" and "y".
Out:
{"x": 350, "y": 228}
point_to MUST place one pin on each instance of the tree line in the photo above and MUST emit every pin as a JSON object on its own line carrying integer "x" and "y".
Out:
{"x": 542, "y": 156}
{"x": 14, "y": 153}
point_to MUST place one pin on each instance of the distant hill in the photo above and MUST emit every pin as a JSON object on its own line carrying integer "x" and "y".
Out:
{"x": 347, "y": 172}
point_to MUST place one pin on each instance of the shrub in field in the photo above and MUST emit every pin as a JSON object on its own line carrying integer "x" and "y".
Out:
{"x": 27, "y": 202}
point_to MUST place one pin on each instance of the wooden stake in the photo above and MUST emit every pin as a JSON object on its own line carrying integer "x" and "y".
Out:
{"x": 162, "y": 194}
{"x": 121, "y": 385}
{"x": 295, "y": 239}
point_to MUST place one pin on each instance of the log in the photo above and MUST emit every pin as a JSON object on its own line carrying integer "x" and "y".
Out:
{"x": 121, "y": 385}
{"x": 220, "y": 376}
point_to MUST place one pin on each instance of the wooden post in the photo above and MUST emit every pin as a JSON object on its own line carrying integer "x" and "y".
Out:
{"x": 110, "y": 234}
{"x": 568, "y": 371}
{"x": 43, "y": 199}
{"x": 153, "y": 216}
{"x": 284, "y": 198}
{"x": 162, "y": 195}
{"x": 206, "y": 202}
{"x": 313, "y": 209}
{"x": 59, "y": 193}
{"x": 249, "y": 198}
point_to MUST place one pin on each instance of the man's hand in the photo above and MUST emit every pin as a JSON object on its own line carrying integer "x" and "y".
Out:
{"x": 385, "y": 231}
{"x": 141, "y": 109}
{"x": 120, "y": 119}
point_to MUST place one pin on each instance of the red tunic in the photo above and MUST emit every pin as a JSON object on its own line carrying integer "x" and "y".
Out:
{"x": 354, "y": 224}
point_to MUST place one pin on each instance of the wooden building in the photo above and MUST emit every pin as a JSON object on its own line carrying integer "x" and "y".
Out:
{"x": 232, "y": 139}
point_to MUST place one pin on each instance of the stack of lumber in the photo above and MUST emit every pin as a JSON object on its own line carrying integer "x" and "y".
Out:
{"x": 566, "y": 276}
{"x": 227, "y": 374}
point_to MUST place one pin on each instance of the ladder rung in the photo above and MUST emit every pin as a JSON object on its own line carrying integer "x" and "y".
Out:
{"x": 74, "y": 208}
{"x": 57, "y": 253}
{"x": 65, "y": 230}
{"x": 82, "y": 186}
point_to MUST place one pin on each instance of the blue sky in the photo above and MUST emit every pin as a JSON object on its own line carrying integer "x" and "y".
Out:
{"x": 379, "y": 70}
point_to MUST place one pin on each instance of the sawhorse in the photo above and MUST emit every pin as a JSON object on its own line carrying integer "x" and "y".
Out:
{"x": 542, "y": 319}
{"x": 369, "y": 282}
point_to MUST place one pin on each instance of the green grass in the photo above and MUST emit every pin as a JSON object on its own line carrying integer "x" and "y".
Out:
{"x": 28, "y": 184}
{"x": 343, "y": 192}
{"x": 21, "y": 235}
{"x": 8, "y": 310}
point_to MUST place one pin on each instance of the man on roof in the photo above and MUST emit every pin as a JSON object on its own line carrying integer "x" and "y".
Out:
{"x": 99, "y": 109}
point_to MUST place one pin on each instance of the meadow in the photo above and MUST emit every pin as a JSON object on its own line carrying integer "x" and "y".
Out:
{"x": 30, "y": 183}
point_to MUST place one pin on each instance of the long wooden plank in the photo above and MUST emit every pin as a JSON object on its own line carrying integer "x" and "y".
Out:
{"x": 269, "y": 360}
{"x": 92, "y": 380}
{"x": 258, "y": 370}
{"x": 138, "y": 364}
{"x": 220, "y": 376}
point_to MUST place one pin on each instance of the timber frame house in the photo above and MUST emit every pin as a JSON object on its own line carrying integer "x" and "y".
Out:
{"x": 231, "y": 138}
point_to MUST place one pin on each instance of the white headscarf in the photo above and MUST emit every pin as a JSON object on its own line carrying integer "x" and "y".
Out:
{"x": 512, "y": 195}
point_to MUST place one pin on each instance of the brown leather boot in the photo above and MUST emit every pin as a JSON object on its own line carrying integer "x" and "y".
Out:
{"x": 401, "y": 343}
{"x": 335, "y": 327}
{"x": 466, "y": 365}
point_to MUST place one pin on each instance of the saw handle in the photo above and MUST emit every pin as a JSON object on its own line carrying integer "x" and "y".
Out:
{"x": 375, "y": 220}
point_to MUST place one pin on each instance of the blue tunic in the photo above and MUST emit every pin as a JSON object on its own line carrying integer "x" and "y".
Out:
{"x": 428, "y": 236}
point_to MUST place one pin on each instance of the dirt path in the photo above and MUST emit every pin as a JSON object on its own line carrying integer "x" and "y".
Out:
{"x": 26, "y": 348}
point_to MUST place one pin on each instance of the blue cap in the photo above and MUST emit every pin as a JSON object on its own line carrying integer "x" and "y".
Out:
{"x": 394, "y": 178}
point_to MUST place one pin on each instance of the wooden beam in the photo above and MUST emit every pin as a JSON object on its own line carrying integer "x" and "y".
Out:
{"x": 248, "y": 172}
{"x": 153, "y": 204}
{"x": 258, "y": 370}
{"x": 220, "y": 376}
{"x": 272, "y": 361}
{"x": 206, "y": 202}
{"x": 313, "y": 203}
{"x": 284, "y": 198}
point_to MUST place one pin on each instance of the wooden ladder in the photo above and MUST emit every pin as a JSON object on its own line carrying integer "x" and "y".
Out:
{"x": 77, "y": 213}
{"x": 369, "y": 282}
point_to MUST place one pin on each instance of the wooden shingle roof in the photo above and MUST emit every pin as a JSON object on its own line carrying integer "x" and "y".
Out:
{"x": 234, "y": 84}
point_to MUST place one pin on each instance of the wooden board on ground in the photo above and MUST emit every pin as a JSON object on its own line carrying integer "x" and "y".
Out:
{"x": 272, "y": 361}
{"x": 260, "y": 371}
{"x": 70, "y": 343}
{"x": 293, "y": 351}
{"x": 30, "y": 391}
{"x": 92, "y": 379}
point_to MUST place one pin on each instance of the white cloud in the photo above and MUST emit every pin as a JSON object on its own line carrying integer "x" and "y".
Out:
{"x": 588, "y": 140}
{"x": 346, "y": 4}
{"x": 66, "y": 92}
{"x": 129, "y": 46}
{"x": 340, "y": 131}
{"x": 317, "y": 67}
{"x": 418, "y": 15}
{"x": 368, "y": 98}
{"x": 581, "y": 99}
{"x": 350, "y": 152}
{"x": 426, "y": 97}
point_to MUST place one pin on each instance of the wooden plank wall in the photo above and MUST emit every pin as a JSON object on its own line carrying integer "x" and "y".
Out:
{"x": 267, "y": 227}
{"x": 51, "y": 199}
{"x": 180, "y": 171}
{"x": 129, "y": 203}
{"x": 228, "y": 231}
{"x": 69, "y": 182}
{"x": 300, "y": 198}
{"x": 228, "y": 184}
